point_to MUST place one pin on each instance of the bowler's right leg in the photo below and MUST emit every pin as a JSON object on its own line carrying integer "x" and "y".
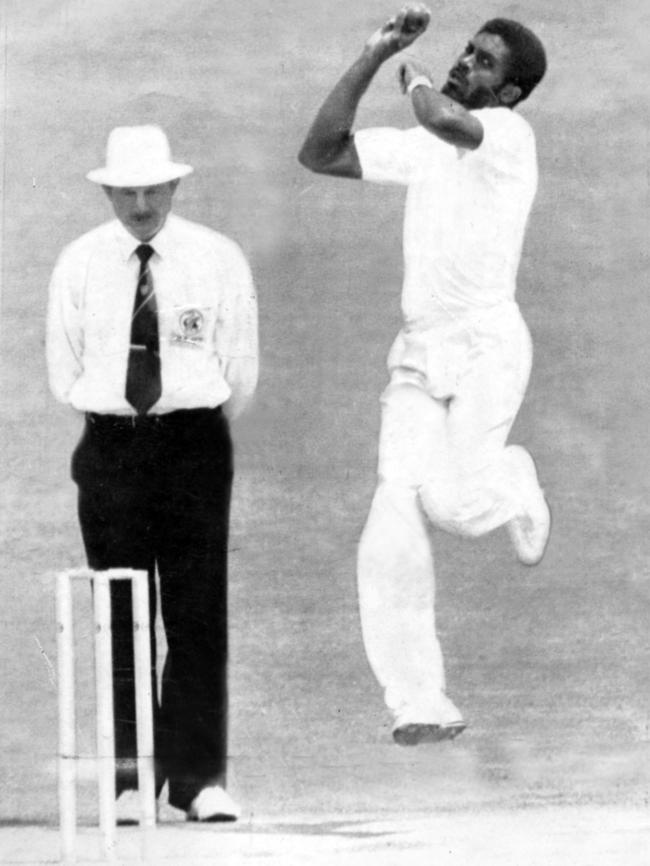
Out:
{"x": 396, "y": 571}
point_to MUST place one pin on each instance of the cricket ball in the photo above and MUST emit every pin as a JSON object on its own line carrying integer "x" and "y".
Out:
{"x": 415, "y": 20}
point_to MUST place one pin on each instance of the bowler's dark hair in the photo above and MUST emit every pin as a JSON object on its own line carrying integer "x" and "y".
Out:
{"x": 527, "y": 62}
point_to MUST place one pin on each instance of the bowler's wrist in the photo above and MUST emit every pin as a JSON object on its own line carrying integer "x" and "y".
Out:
{"x": 419, "y": 81}
{"x": 377, "y": 54}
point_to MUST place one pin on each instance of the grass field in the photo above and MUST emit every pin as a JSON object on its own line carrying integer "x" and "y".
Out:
{"x": 550, "y": 665}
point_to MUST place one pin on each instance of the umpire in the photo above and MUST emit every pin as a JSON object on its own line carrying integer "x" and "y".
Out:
{"x": 152, "y": 335}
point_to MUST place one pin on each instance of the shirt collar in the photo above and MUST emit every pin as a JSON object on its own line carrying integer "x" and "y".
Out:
{"x": 160, "y": 242}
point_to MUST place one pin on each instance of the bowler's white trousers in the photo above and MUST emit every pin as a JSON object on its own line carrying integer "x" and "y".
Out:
{"x": 455, "y": 389}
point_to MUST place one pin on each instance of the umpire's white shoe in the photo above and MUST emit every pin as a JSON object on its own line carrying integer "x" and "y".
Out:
{"x": 530, "y": 531}
{"x": 414, "y": 725}
{"x": 128, "y": 809}
{"x": 213, "y": 804}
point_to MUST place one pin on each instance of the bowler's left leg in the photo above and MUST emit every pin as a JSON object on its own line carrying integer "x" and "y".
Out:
{"x": 477, "y": 483}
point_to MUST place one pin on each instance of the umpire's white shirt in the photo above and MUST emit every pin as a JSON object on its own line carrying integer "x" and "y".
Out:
{"x": 207, "y": 313}
{"x": 466, "y": 211}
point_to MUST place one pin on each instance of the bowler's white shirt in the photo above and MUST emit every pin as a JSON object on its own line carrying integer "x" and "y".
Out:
{"x": 207, "y": 313}
{"x": 466, "y": 210}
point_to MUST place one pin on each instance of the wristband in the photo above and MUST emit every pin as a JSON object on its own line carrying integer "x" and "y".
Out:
{"x": 419, "y": 81}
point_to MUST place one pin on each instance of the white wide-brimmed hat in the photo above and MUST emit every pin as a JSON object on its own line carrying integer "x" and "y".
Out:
{"x": 138, "y": 156}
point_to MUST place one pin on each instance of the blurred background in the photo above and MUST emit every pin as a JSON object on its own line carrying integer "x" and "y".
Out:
{"x": 550, "y": 665}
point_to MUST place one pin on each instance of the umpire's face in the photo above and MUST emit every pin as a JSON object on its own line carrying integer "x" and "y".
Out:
{"x": 142, "y": 210}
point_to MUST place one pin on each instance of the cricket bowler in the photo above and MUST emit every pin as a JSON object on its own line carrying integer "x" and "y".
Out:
{"x": 460, "y": 365}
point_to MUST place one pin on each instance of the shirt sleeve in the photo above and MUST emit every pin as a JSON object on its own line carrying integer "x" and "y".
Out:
{"x": 508, "y": 145}
{"x": 387, "y": 155}
{"x": 238, "y": 334}
{"x": 64, "y": 333}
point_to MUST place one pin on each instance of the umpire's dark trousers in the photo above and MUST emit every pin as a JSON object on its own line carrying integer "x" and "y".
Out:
{"x": 154, "y": 492}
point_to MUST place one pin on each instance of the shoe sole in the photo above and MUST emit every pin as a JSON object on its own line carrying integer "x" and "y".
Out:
{"x": 413, "y": 734}
{"x": 530, "y": 563}
{"x": 215, "y": 818}
{"x": 220, "y": 817}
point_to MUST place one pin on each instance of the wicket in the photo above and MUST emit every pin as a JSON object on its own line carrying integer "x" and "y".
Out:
{"x": 100, "y": 582}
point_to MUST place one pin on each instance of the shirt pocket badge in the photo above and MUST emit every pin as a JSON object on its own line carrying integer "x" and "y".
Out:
{"x": 189, "y": 326}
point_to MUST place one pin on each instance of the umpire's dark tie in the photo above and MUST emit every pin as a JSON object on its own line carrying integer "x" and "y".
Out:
{"x": 143, "y": 382}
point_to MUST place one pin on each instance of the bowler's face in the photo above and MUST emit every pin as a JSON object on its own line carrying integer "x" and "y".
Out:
{"x": 479, "y": 72}
{"x": 142, "y": 210}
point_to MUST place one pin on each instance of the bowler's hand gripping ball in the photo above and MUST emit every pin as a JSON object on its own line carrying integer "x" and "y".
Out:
{"x": 416, "y": 20}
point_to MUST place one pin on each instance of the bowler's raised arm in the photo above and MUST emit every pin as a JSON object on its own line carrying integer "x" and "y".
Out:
{"x": 329, "y": 147}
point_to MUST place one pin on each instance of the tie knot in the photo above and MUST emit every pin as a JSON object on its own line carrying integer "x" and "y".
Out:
{"x": 144, "y": 253}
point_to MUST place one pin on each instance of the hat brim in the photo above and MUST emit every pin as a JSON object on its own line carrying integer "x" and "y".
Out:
{"x": 141, "y": 177}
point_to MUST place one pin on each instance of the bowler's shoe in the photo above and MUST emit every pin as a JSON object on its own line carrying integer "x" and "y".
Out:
{"x": 428, "y": 721}
{"x": 530, "y": 530}
{"x": 213, "y": 804}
